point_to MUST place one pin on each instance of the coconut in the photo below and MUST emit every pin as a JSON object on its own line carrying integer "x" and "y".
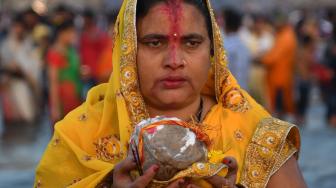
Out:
{"x": 171, "y": 146}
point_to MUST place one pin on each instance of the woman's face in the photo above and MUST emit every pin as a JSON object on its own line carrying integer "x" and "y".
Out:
{"x": 68, "y": 36}
{"x": 173, "y": 56}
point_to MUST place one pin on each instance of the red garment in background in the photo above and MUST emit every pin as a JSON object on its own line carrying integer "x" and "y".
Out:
{"x": 9, "y": 111}
{"x": 322, "y": 73}
{"x": 68, "y": 96}
{"x": 105, "y": 66}
{"x": 92, "y": 43}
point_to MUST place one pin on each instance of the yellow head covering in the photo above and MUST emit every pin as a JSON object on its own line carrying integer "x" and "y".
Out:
{"x": 90, "y": 140}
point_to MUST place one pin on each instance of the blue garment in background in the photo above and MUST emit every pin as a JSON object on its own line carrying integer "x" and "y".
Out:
{"x": 239, "y": 58}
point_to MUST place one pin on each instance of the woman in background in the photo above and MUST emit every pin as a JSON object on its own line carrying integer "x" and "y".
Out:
{"x": 22, "y": 65}
{"x": 63, "y": 62}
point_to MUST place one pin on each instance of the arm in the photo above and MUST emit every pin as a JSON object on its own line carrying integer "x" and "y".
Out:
{"x": 287, "y": 176}
{"x": 54, "y": 98}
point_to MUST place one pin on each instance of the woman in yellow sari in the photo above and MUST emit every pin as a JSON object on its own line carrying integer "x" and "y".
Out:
{"x": 169, "y": 60}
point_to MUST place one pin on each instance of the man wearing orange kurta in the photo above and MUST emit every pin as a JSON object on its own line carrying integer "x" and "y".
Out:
{"x": 279, "y": 63}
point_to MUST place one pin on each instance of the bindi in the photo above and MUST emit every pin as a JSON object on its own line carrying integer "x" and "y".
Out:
{"x": 173, "y": 9}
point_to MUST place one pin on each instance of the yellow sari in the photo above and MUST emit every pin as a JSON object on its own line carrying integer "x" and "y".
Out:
{"x": 90, "y": 140}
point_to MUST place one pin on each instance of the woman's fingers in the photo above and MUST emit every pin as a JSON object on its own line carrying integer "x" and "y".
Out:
{"x": 177, "y": 184}
{"x": 185, "y": 183}
{"x": 125, "y": 166}
{"x": 230, "y": 179}
{"x": 147, "y": 177}
{"x": 193, "y": 186}
{"x": 233, "y": 169}
{"x": 121, "y": 177}
{"x": 121, "y": 174}
{"x": 219, "y": 182}
{"x": 122, "y": 170}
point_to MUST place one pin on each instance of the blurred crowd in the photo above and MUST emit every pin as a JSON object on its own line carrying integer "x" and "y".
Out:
{"x": 279, "y": 57}
{"x": 49, "y": 62}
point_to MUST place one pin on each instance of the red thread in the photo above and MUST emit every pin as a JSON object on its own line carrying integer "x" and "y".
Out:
{"x": 151, "y": 130}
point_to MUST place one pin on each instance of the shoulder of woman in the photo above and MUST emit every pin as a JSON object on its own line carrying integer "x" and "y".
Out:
{"x": 273, "y": 132}
{"x": 272, "y": 143}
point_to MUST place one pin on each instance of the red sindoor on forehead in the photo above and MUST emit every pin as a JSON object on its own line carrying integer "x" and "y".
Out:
{"x": 173, "y": 9}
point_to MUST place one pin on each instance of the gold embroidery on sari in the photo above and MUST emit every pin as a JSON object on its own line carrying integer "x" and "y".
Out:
{"x": 220, "y": 60}
{"x": 129, "y": 84}
{"x": 268, "y": 145}
{"x": 235, "y": 101}
{"x": 197, "y": 170}
{"x": 222, "y": 74}
{"x": 238, "y": 135}
{"x": 108, "y": 149}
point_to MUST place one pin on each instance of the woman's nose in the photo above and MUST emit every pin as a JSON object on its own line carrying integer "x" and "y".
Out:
{"x": 174, "y": 60}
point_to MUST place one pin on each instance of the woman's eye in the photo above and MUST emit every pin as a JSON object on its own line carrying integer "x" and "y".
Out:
{"x": 192, "y": 44}
{"x": 154, "y": 44}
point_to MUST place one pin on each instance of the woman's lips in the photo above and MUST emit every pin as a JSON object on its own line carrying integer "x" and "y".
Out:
{"x": 173, "y": 82}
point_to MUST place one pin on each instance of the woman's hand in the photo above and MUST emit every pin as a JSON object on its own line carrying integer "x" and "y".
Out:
{"x": 224, "y": 182}
{"x": 230, "y": 180}
{"x": 122, "y": 178}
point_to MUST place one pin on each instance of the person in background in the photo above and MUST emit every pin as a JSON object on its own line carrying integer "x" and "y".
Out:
{"x": 237, "y": 53}
{"x": 279, "y": 62}
{"x": 105, "y": 61}
{"x": 305, "y": 61}
{"x": 42, "y": 35}
{"x": 246, "y": 33}
{"x": 64, "y": 75}
{"x": 93, "y": 41}
{"x": 2, "y": 124}
{"x": 62, "y": 13}
{"x": 329, "y": 87}
{"x": 263, "y": 36}
{"x": 21, "y": 62}
{"x": 263, "y": 30}
{"x": 31, "y": 20}
{"x": 2, "y": 34}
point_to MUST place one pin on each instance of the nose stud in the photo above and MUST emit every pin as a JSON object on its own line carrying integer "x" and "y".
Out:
{"x": 184, "y": 62}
